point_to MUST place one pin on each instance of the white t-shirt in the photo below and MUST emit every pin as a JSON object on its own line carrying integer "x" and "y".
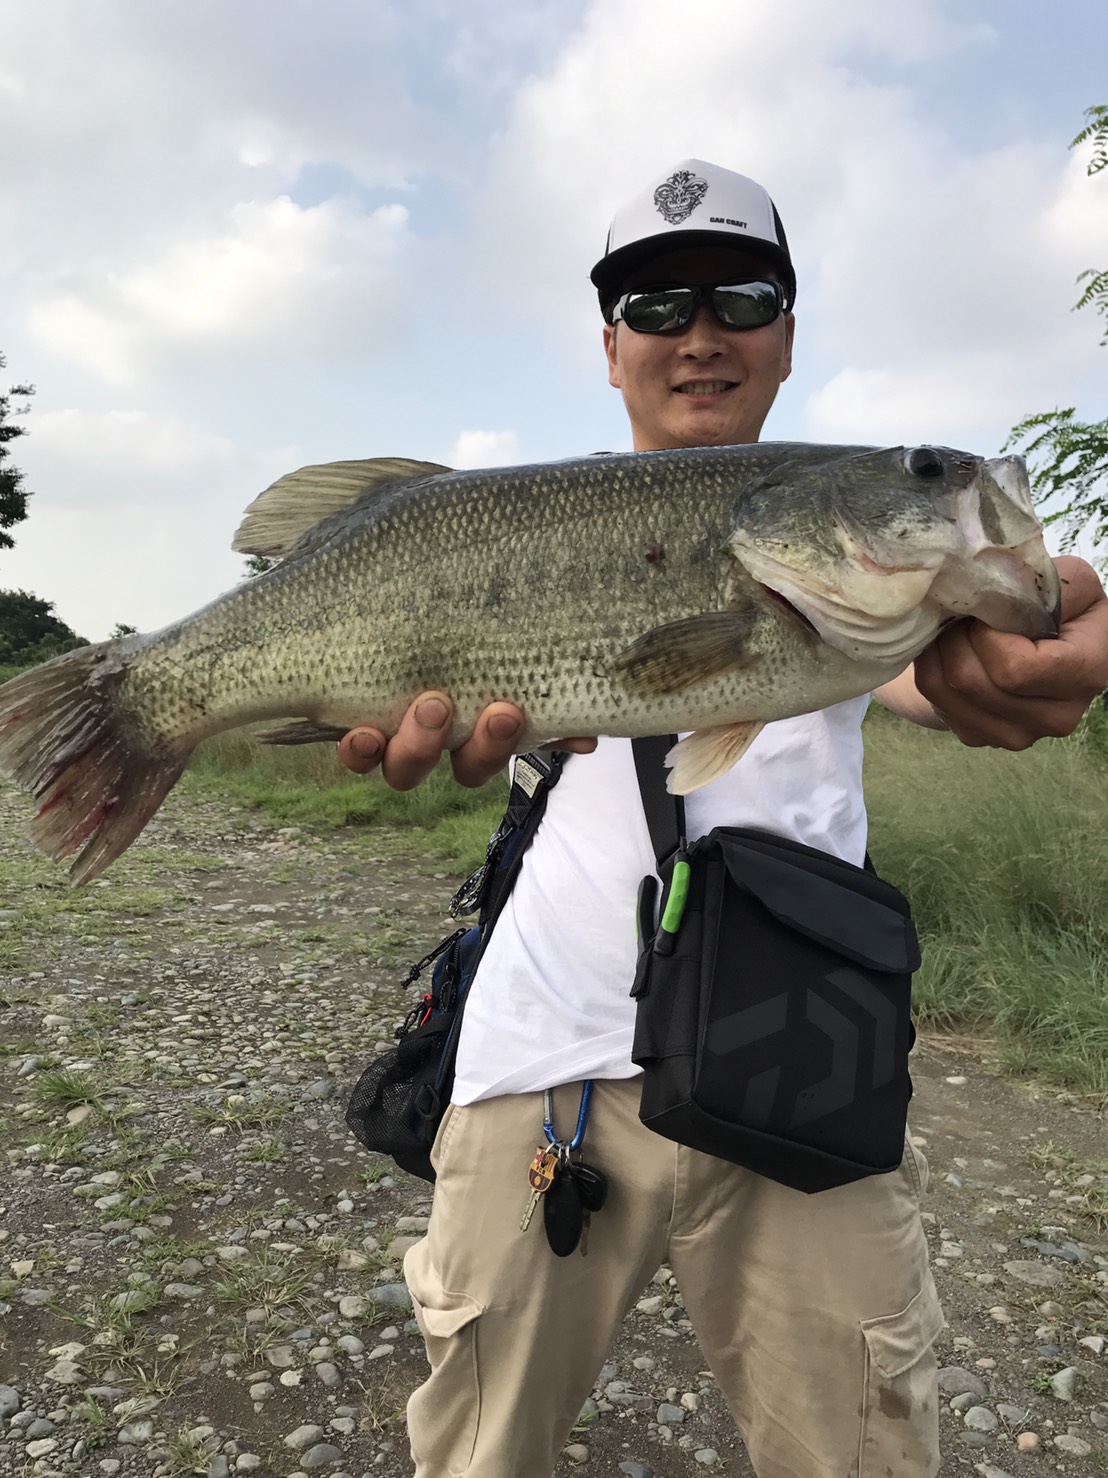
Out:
{"x": 550, "y": 1003}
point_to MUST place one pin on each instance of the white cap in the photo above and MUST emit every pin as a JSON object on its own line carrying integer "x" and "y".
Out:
{"x": 693, "y": 204}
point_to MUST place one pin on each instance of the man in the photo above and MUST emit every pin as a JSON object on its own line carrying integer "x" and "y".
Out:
{"x": 816, "y": 1313}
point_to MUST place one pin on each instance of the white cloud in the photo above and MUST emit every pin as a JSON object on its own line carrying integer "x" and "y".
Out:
{"x": 279, "y": 279}
{"x": 132, "y": 516}
{"x": 484, "y": 449}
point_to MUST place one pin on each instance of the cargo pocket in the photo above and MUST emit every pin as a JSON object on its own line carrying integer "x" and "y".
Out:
{"x": 918, "y": 1170}
{"x": 900, "y": 1413}
{"x": 443, "y": 1413}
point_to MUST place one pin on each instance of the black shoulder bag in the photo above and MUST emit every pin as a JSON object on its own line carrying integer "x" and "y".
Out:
{"x": 773, "y": 1023}
{"x": 399, "y": 1100}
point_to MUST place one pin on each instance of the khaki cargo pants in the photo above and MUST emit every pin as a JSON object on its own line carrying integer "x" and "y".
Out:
{"x": 815, "y": 1313}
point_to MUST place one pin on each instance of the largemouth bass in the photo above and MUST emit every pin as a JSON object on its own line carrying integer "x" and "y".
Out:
{"x": 709, "y": 590}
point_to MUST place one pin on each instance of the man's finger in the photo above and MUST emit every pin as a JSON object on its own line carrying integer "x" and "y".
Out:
{"x": 496, "y": 737}
{"x": 959, "y": 683}
{"x": 416, "y": 747}
{"x": 361, "y": 750}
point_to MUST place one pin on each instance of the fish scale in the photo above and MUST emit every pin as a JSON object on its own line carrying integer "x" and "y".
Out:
{"x": 709, "y": 589}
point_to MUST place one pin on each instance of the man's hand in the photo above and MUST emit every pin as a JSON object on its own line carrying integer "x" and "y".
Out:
{"x": 992, "y": 688}
{"x": 415, "y": 749}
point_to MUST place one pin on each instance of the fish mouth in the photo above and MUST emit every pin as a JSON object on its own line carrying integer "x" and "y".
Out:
{"x": 789, "y": 608}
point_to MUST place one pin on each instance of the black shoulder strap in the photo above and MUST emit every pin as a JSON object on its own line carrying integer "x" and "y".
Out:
{"x": 534, "y": 776}
{"x": 665, "y": 813}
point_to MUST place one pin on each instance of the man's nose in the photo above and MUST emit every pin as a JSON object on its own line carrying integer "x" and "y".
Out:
{"x": 704, "y": 335}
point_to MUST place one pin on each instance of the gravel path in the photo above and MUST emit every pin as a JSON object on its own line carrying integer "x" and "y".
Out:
{"x": 200, "y": 1273}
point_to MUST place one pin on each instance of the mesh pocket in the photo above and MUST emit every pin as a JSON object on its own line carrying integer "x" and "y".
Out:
{"x": 394, "y": 1108}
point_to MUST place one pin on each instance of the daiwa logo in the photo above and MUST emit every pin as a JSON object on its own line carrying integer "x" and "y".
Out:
{"x": 843, "y": 1080}
{"x": 679, "y": 196}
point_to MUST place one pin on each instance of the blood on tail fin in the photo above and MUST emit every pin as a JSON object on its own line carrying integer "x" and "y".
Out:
{"x": 64, "y": 738}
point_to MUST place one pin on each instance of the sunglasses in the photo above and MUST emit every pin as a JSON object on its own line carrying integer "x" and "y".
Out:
{"x": 663, "y": 310}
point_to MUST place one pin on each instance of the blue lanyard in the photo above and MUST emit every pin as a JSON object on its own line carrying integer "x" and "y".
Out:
{"x": 582, "y": 1116}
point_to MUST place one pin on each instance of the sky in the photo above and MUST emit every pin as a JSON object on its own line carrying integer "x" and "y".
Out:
{"x": 239, "y": 238}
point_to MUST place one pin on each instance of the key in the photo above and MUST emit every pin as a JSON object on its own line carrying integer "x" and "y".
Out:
{"x": 540, "y": 1175}
{"x": 563, "y": 1212}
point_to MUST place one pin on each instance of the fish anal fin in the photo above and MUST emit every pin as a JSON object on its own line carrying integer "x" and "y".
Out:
{"x": 304, "y": 731}
{"x": 682, "y": 654}
{"x": 281, "y": 516}
{"x": 707, "y": 754}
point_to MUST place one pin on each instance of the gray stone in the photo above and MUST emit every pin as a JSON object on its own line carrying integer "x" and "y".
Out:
{"x": 1015, "y": 1416}
{"x": 670, "y": 1415}
{"x": 219, "y": 1467}
{"x": 706, "y": 1455}
{"x": 1075, "y": 1446}
{"x": 981, "y": 1419}
{"x": 353, "y": 1306}
{"x": 42, "y": 1447}
{"x": 134, "y": 1434}
{"x": 954, "y": 1380}
{"x": 65, "y": 1373}
{"x": 320, "y": 1455}
{"x": 1038, "y": 1274}
{"x": 392, "y": 1296}
{"x": 1067, "y": 1251}
{"x": 182, "y": 1290}
{"x": 1064, "y": 1383}
{"x": 10, "y": 1401}
{"x": 40, "y": 1427}
{"x": 303, "y": 1437}
{"x": 636, "y": 1470}
{"x": 329, "y": 1374}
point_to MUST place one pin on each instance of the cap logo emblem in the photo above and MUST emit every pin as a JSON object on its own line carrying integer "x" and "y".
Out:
{"x": 677, "y": 197}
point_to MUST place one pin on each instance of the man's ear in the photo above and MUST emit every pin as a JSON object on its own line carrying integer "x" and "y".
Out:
{"x": 610, "y": 351}
{"x": 787, "y": 353}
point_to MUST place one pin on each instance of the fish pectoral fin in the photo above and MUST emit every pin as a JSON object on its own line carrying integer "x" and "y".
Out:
{"x": 290, "y": 508}
{"x": 304, "y": 731}
{"x": 683, "y": 653}
{"x": 707, "y": 754}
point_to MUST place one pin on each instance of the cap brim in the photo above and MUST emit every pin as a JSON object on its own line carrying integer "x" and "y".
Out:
{"x": 610, "y": 273}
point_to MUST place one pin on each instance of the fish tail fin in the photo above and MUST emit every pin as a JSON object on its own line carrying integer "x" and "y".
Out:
{"x": 97, "y": 776}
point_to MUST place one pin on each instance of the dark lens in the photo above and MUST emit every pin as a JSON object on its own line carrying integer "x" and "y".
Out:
{"x": 654, "y": 313}
{"x": 747, "y": 304}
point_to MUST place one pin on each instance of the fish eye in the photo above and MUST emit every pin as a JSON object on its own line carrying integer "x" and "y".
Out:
{"x": 924, "y": 461}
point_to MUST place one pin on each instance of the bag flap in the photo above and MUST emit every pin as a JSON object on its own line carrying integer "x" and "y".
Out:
{"x": 860, "y": 927}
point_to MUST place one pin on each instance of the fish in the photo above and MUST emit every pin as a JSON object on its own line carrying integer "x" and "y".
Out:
{"x": 704, "y": 591}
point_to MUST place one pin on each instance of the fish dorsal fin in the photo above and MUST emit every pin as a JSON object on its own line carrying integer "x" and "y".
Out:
{"x": 279, "y": 518}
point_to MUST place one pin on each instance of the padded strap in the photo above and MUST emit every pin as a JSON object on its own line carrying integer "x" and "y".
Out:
{"x": 665, "y": 813}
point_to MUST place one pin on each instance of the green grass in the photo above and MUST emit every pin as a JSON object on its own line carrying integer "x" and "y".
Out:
{"x": 306, "y": 785}
{"x": 1005, "y": 859}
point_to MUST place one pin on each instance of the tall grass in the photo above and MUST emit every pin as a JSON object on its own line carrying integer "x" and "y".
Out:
{"x": 306, "y": 785}
{"x": 1005, "y": 859}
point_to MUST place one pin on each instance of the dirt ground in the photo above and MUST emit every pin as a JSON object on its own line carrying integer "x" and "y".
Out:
{"x": 200, "y": 1271}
